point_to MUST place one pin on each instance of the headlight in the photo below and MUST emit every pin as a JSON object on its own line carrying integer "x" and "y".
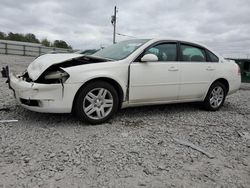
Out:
{"x": 57, "y": 75}
{"x": 53, "y": 76}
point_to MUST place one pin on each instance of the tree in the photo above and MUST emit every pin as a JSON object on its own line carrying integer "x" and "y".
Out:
{"x": 31, "y": 38}
{"x": 45, "y": 42}
{"x": 61, "y": 44}
{"x": 2, "y": 35}
{"x": 15, "y": 36}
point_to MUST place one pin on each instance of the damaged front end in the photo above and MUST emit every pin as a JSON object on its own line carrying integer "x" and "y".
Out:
{"x": 5, "y": 74}
{"x": 49, "y": 97}
{"x": 44, "y": 87}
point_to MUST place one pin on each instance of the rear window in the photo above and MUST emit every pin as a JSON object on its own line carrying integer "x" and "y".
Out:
{"x": 192, "y": 53}
{"x": 212, "y": 57}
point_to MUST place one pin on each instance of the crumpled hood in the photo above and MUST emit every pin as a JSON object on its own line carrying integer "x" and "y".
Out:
{"x": 40, "y": 64}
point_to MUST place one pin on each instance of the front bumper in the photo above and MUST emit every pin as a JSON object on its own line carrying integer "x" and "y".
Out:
{"x": 48, "y": 98}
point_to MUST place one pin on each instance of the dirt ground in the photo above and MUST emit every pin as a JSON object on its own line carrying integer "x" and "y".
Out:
{"x": 137, "y": 148}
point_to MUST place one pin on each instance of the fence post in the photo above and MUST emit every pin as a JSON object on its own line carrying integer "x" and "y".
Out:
{"x": 24, "y": 48}
{"x": 39, "y": 50}
{"x": 6, "y": 48}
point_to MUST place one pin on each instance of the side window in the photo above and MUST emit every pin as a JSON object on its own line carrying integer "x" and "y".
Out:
{"x": 164, "y": 52}
{"x": 192, "y": 53}
{"x": 212, "y": 57}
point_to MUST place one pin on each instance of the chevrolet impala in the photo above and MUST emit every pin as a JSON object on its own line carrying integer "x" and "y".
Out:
{"x": 129, "y": 73}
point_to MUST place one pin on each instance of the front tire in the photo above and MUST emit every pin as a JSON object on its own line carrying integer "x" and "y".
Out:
{"x": 96, "y": 102}
{"x": 215, "y": 97}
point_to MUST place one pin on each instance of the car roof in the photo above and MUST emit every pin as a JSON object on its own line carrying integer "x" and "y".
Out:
{"x": 185, "y": 41}
{"x": 177, "y": 39}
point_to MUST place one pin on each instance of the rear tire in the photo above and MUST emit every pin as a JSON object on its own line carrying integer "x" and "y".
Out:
{"x": 215, "y": 97}
{"x": 96, "y": 102}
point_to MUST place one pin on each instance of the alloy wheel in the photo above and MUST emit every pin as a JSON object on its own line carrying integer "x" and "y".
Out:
{"x": 216, "y": 97}
{"x": 98, "y": 103}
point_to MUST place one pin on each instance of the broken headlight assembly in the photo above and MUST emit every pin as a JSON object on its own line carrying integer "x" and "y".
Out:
{"x": 57, "y": 75}
{"x": 52, "y": 76}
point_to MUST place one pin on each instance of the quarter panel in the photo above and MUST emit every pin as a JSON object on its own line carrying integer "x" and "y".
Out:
{"x": 229, "y": 71}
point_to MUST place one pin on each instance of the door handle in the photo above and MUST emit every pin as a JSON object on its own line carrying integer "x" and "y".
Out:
{"x": 210, "y": 69}
{"x": 173, "y": 69}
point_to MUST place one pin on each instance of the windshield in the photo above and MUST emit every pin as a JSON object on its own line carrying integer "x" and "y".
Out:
{"x": 86, "y": 52}
{"x": 120, "y": 50}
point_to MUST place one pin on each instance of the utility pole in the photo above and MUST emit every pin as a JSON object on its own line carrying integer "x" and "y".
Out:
{"x": 113, "y": 21}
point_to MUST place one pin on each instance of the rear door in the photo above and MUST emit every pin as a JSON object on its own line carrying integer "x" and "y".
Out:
{"x": 197, "y": 71}
{"x": 155, "y": 81}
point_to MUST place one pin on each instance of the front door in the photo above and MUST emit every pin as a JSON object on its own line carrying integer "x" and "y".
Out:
{"x": 155, "y": 81}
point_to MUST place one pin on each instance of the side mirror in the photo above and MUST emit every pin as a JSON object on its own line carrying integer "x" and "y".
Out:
{"x": 149, "y": 58}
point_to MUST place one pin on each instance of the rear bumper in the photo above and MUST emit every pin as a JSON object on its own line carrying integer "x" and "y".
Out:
{"x": 234, "y": 86}
{"x": 48, "y": 98}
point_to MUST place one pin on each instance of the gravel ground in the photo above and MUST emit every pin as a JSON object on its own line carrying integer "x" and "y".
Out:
{"x": 137, "y": 148}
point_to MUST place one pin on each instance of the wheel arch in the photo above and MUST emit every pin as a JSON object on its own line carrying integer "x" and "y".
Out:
{"x": 109, "y": 80}
{"x": 223, "y": 81}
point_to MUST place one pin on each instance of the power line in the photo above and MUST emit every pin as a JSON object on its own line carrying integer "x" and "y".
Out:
{"x": 125, "y": 35}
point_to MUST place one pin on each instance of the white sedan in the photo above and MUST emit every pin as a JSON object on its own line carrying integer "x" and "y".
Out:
{"x": 129, "y": 73}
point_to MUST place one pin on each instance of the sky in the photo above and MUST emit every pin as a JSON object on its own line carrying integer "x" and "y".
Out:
{"x": 223, "y": 25}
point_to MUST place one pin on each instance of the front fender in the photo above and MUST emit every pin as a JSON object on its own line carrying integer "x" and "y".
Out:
{"x": 86, "y": 73}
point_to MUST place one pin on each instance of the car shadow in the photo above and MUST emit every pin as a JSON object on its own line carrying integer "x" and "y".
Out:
{"x": 53, "y": 119}
{"x": 164, "y": 108}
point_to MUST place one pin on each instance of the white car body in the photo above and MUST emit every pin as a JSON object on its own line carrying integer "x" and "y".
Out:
{"x": 140, "y": 83}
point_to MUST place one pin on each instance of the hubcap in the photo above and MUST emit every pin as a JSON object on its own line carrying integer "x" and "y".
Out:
{"x": 98, "y": 103}
{"x": 216, "y": 97}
